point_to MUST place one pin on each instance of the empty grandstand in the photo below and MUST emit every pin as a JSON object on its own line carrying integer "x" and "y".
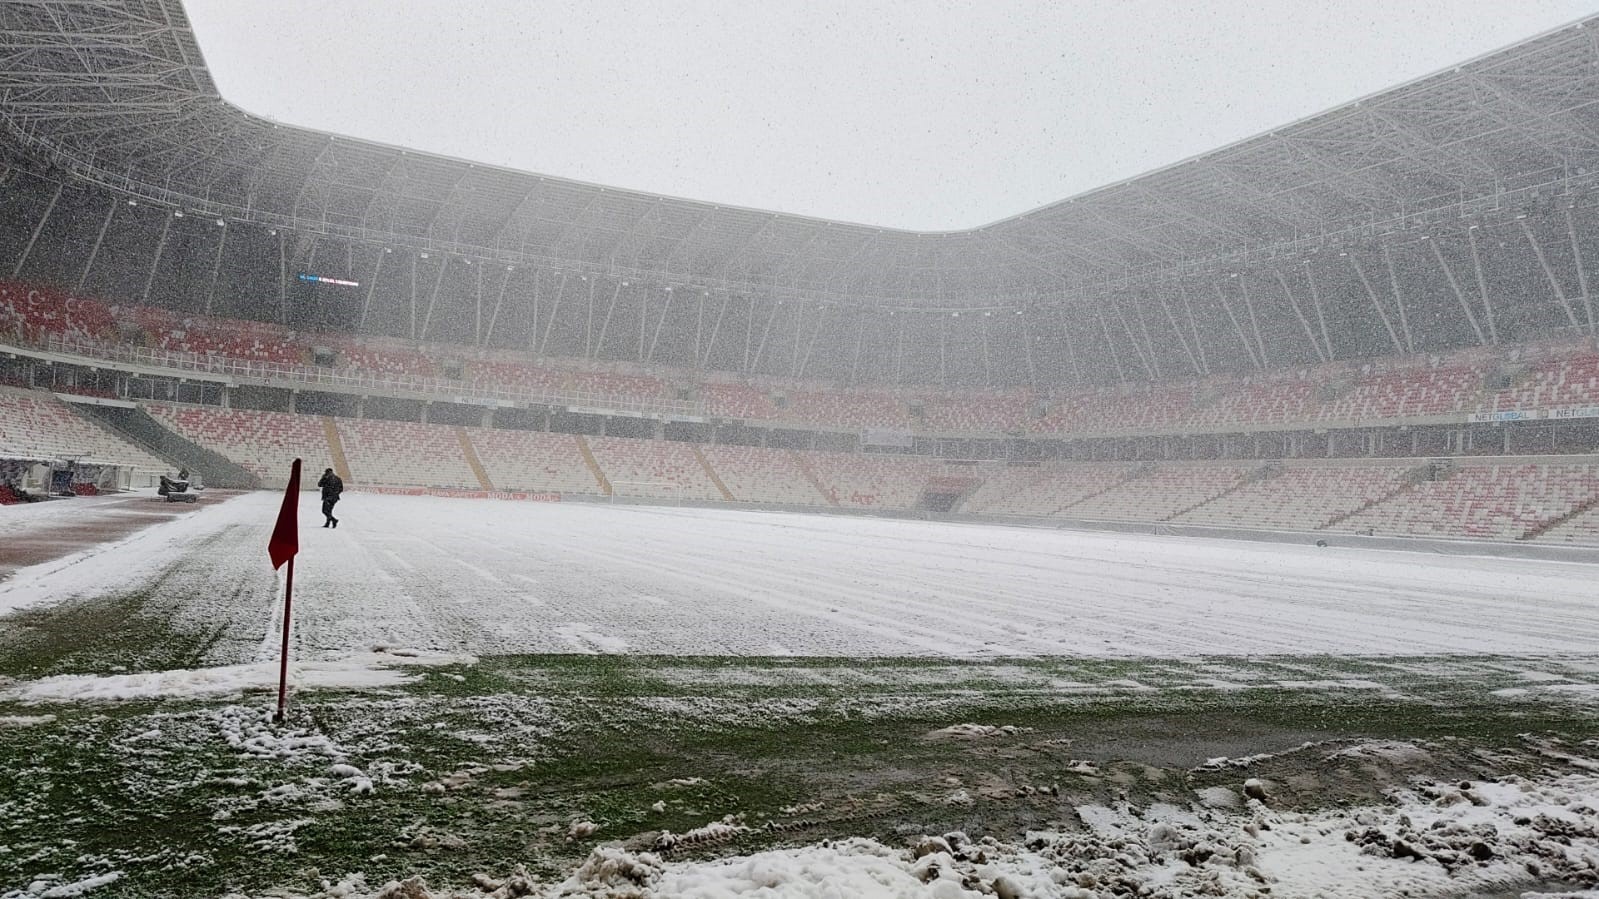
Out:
{"x": 1377, "y": 319}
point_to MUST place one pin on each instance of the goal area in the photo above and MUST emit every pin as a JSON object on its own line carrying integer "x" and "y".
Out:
{"x": 646, "y": 492}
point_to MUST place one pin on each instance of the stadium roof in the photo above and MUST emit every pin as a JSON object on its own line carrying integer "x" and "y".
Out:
{"x": 118, "y": 93}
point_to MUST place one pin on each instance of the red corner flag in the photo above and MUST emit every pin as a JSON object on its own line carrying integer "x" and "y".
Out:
{"x": 283, "y": 546}
{"x": 285, "y": 540}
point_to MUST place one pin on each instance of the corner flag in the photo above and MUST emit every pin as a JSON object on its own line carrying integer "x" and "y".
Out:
{"x": 283, "y": 547}
{"x": 285, "y": 540}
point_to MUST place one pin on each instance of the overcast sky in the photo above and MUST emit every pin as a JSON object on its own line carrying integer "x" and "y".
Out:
{"x": 922, "y": 115}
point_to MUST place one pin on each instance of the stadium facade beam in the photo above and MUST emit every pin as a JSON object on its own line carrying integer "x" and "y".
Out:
{"x": 716, "y": 329}
{"x": 16, "y": 270}
{"x": 1482, "y": 285}
{"x": 605, "y": 325}
{"x": 372, "y": 286}
{"x": 1365, "y": 282}
{"x": 1399, "y": 300}
{"x": 216, "y": 266}
{"x": 1193, "y": 324}
{"x": 1110, "y": 345}
{"x": 1321, "y": 311}
{"x": 1549, "y": 272}
{"x": 659, "y": 324}
{"x": 433, "y": 296}
{"x": 1238, "y": 329}
{"x": 1177, "y": 332}
{"x": 94, "y": 251}
{"x": 1582, "y": 271}
{"x": 155, "y": 264}
{"x": 555, "y": 310}
{"x": 499, "y": 302}
{"x": 821, "y": 322}
{"x": 1454, "y": 286}
{"x": 1304, "y": 323}
{"x": 1254, "y": 320}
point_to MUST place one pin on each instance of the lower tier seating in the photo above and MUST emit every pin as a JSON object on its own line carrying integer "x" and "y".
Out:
{"x": 1493, "y": 500}
{"x": 264, "y": 443}
{"x": 1162, "y": 493}
{"x": 533, "y": 460}
{"x": 398, "y": 452}
{"x": 36, "y": 425}
{"x": 1300, "y": 498}
{"x": 657, "y": 469}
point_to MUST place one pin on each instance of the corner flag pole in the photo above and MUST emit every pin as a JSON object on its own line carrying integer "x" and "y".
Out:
{"x": 283, "y": 547}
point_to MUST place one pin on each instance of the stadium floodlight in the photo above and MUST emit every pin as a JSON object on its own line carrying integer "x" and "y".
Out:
{"x": 177, "y": 213}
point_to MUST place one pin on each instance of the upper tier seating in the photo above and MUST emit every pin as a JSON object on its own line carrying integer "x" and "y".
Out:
{"x": 533, "y": 460}
{"x": 1403, "y": 392}
{"x": 35, "y": 313}
{"x": 36, "y": 425}
{"x": 1494, "y": 501}
{"x": 1300, "y": 498}
{"x": 264, "y": 443}
{"x": 1162, "y": 493}
{"x": 233, "y": 339}
{"x": 725, "y": 399}
{"x": 846, "y": 409}
{"x": 1552, "y": 383}
{"x": 403, "y": 452}
{"x": 1138, "y": 408}
{"x": 998, "y": 412}
{"x": 756, "y": 474}
{"x": 652, "y": 468}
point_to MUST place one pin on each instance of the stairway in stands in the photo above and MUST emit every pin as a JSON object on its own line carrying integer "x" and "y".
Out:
{"x": 472, "y": 460}
{"x": 137, "y": 427}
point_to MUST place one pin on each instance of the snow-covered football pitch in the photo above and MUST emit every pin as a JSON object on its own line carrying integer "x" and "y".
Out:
{"x": 680, "y": 701}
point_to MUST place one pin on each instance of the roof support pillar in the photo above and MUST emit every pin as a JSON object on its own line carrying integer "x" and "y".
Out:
{"x": 1482, "y": 286}
{"x": 477, "y": 315}
{"x": 499, "y": 301}
{"x": 555, "y": 309}
{"x": 799, "y": 332}
{"x": 1249, "y": 349}
{"x": 1321, "y": 313}
{"x": 661, "y": 322}
{"x": 605, "y": 325}
{"x": 372, "y": 286}
{"x": 1254, "y": 323}
{"x": 1365, "y": 282}
{"x": 766, "y": 332}
{"x": 27, "y": 251}
{"x": 1454, "y": 285}
{"x": 99, "y": 239}
{"x": 155, "y": 264}
{"x": 433, "y": 299}
{"x": 1582, "y": 273}
{"x": 749, "y": 333}
{"x": 1115, "y": 355}
{"x": 1066, "y": 342}
{"x": 988, "y": 371}
{"x": 1554, "y": 282}
{"x": 716, "y": 328}
{"x": 943, "y": 362}
{"x": 855, "y": 362}
{"x": 216, "y": 268}
{"x": 899, "y": 351}
{"x": 1193, "y": 324}
{"x": 1193, "y": 361}
{"x": 413, "y": 296}
{"x": 821, "y": 319}
{"x": 1304, "y": 323}
{"x": 1399, "y": 300}
{"x": 1027, "y": 347}
{"x": 588, "y": 328}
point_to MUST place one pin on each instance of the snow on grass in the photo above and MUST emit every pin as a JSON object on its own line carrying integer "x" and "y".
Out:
{"x": 369, "y": 670}
{"x": 1514, "y": 834}
{"x": 613, "y": 579}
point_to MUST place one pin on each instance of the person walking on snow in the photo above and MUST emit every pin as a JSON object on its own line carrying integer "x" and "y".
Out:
{"x": 331, "y": 486}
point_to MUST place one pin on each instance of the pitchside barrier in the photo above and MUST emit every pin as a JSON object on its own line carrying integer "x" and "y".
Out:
{"x": 456, "y": 493}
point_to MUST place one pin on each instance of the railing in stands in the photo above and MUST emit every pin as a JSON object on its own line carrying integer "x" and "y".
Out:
{"x": 317, "y": 376}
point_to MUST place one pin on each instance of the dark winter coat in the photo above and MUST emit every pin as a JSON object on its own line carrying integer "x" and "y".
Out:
{"x": 331, "y": 486}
